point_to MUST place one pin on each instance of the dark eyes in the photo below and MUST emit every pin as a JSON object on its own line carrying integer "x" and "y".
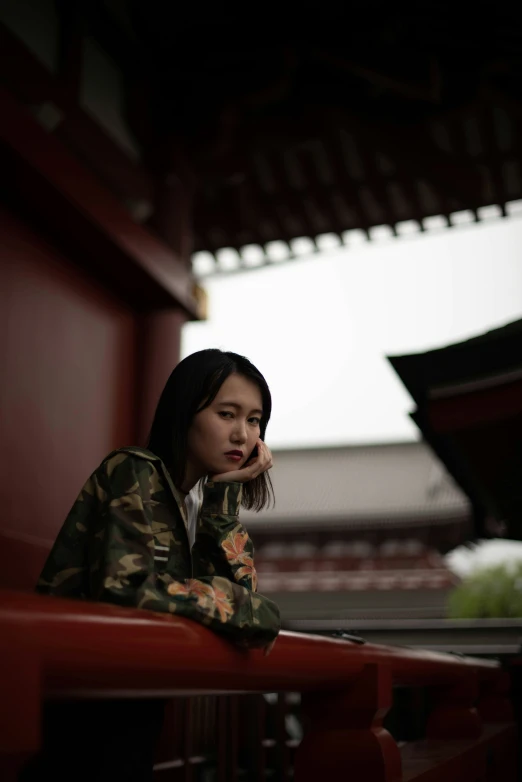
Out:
{"x": 255, "y": 421}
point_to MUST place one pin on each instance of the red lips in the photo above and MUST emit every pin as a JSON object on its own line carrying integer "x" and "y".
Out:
{"x": 239, "y": 454}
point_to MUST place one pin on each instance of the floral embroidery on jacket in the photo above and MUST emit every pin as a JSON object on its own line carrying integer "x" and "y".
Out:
{"x": 211, "y": 599}
{"x": 248, "y": 571}
{"x": 223, "y": 605}
{"x": 191, "y": 588}
{"x": 234, "y": 547}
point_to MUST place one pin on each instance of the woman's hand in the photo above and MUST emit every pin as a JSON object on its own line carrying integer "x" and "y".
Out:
{"x": 251, "y": 469}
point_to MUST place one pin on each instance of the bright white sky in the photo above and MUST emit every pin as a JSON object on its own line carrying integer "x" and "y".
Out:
{"x": 319, "y": 327}
{"x": 465, "y": 560}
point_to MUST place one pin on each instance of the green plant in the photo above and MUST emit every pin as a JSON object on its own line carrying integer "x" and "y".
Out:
{"x": 488, "y": 593}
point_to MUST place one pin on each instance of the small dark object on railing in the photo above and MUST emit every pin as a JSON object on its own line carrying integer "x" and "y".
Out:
{"x": 356, "y": 639}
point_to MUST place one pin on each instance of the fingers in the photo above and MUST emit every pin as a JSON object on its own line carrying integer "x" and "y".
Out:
{"x": 251, "y": 469}
{"x": 262, "y": 462}
{"x": 265, "y": 460}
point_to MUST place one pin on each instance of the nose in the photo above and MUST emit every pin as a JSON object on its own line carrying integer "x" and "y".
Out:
{"x": 239, "y": 435}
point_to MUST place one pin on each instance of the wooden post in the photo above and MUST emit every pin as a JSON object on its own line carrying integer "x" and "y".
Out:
{"x": 222, "y": 739}
{"x": 283, "y": 755}
{"x": 346, "y": 739}
{"x": 454, "y": 715}
{"x": 20, "y": 714}
{"x": 159, "y": 349}
{"x": 233, "y": 746}
{"x": 495, "y": 703}
{"x": 174, "y": 191}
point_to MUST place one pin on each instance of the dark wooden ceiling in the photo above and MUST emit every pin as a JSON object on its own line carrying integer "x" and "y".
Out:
{"x": 323, "y": 122}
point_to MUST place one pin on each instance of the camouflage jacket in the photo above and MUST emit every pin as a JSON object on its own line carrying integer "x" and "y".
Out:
{"x": 125, "y": 541}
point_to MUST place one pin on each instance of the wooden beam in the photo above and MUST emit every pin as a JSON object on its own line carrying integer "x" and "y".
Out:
{"x": 348, "y": 186}
{"x": 34, "y": 85}
{"x": 463, "y": 411}
{"x": 70, "y": 47}
{"x": 68, "y": 202}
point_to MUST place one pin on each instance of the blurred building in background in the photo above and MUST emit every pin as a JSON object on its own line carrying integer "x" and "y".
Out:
{"x": 468, "y": 400}
{"x": 359, "y": 533}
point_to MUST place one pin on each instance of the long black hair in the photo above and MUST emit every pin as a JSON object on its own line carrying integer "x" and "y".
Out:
{"x": 191, "y": 387}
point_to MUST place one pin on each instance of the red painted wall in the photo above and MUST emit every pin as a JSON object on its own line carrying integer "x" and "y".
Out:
{"x": 67, "y": 394}
{"x": 160, "y": 333}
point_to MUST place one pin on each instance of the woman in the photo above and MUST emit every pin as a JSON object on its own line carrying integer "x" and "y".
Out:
{"x": 134, "y": 536}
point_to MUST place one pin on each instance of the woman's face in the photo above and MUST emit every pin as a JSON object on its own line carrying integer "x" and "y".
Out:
{"x": 223, "y": 435}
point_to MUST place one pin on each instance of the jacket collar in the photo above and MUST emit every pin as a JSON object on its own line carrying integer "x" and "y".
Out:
{"x": 142, "y": 452}
{"x": 149, "y": 456}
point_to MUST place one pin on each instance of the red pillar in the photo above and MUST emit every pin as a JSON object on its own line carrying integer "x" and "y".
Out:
{"x": 160, "y": 337}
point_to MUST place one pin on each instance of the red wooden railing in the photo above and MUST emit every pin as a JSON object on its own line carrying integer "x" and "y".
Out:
{"x": 52, "y": 648}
